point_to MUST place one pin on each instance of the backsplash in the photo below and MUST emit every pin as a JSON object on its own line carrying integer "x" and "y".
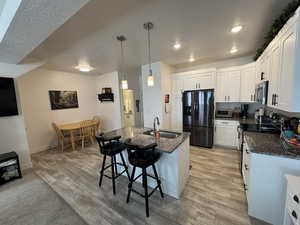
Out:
{"x": 237, "y": 106}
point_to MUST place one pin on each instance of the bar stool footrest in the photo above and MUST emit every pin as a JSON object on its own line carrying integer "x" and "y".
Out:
{"x": 149, "y": 195}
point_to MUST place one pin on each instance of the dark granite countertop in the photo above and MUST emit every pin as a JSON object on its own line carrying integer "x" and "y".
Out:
{"x": 267, "y": 144}
{"x": 137, "y": 137}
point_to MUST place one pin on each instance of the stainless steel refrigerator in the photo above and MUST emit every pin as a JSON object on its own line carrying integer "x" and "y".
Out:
{"x": 198, "y": 116}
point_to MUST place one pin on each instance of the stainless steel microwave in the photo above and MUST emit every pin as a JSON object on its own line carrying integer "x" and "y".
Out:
{"x": 261, "y": 92}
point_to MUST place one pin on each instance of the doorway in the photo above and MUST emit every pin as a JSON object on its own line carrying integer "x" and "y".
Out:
{"x": 128, "y": 108}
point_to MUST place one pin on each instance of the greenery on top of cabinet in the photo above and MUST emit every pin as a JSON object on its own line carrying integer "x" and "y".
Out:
{"x": 278, "y": 24}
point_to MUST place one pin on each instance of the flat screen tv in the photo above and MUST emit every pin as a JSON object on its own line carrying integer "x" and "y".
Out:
{"x": 8, "y": 101}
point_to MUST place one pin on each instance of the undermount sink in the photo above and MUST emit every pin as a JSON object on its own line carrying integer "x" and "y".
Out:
{"x": 163, "y": 134}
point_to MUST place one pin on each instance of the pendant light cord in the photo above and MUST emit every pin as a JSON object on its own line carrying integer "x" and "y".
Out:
{"x": 149, "y": 53}
{"x": 122, "y": 60}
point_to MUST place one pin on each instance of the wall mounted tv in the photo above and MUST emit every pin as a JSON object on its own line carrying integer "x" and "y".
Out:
{"x": 8, "y": 101}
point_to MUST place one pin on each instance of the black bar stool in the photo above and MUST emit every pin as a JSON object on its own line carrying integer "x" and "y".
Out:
{"x": 143, "y": 157}
{"x": 111, "y": 146}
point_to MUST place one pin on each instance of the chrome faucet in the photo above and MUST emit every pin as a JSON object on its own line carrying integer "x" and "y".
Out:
{"x": 156, "y": 119}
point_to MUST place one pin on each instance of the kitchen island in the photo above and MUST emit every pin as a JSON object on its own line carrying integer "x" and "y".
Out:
{"x": 174, "y": 163}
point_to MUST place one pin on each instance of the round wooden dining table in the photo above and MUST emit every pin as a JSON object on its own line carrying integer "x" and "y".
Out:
{"x": 72, "y": 128}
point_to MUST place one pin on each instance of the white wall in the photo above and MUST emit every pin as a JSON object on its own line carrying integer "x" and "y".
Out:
{"x": 166, "y": 73}
{"x": 13, "y": 138}
{"x": 34, "y": 87}
{"x": 12, "y": 129}
{"x": 153, "y": 97}
{"x": 218, "y": 64}
{"x": 109, "y": 111}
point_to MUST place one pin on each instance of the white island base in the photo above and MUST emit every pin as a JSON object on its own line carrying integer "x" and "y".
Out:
{"x": 172, "y": 168}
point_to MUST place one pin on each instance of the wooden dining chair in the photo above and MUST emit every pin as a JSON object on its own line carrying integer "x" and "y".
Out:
{"x": 98, "y": 124}
{"x": 87, "y": 132}
{"x": 62, "y": 139}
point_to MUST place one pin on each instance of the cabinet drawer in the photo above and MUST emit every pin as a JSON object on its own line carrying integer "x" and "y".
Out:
{"x": 226, "y": 122}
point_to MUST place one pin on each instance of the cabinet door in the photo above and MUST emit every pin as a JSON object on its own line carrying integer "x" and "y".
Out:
{"x": 225, "y": 136}
{"x": 198, "y": 82}
{"x": 190, "y": 83}
{"x": 232, "y": 86}
{"x": 205, "y": 82}
{"x": 177, "y": 87}
{"x": 248, "y": 81}
{"x": 287, "y": 70}
{"x": 275, "y": 66}
{"x": 221, "y": 94}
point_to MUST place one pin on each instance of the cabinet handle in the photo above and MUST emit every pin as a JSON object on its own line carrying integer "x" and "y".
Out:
{"x": 247, "y": 151}
{"x": 228, "y": 98}
{"x": 272, "y": 99}
{"x": 246, "y": 167}
{"x": 296, "y": 199}
{"x": 294, "y": 214}
{"x": 262, "y": 76}
{"x": 246, "y": 187}
{"x": 199, "y": 86}
{"x": 275, "y": 99}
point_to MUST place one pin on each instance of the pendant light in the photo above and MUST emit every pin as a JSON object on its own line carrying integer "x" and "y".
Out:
{"x": 150, "y": 80}
{"x": 124, "y": 82}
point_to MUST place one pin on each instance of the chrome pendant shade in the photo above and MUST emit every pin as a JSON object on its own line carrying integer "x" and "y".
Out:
{"x": 150, "y": 80}
{"x": 124, "y": 82}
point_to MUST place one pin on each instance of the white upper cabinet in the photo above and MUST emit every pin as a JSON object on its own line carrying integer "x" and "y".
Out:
{"x": 278, "y": 63}
{"x": 287, "y": 71}
{"x": 248, "y": 81}
{"x": 275, "y": 67}
{"x": 199, "y": 81}
{"x": 228, "y": 85}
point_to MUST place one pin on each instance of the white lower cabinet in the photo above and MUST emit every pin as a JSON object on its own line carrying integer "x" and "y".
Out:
{"x": 226, "y": 133}
{"x": 265, "y": 184}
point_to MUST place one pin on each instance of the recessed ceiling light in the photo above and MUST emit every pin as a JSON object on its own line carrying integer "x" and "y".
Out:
{"x": 84, "y": 68}
{"x": 192, "y": 59}
{"x": 236, "y": 29}
{"x": 177, "y": 46}
{"x": 233, "y": 50}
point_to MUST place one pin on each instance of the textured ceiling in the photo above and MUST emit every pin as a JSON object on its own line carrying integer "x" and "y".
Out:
{"x": 202, "y": 26}
{"x": 34, "y": 21}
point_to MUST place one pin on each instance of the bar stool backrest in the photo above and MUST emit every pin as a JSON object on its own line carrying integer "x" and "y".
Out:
{"x": 139, "y": 151}
{"x": 106, "y": 142}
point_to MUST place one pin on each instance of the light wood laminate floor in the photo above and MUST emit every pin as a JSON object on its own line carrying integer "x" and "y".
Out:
{"x": 214, "y": 194}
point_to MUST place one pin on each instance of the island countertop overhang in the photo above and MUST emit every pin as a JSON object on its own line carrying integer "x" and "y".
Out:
{"x": 165, "y": 145}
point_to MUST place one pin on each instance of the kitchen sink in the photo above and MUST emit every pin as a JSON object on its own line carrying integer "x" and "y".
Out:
{"x": 163, "y": 134}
